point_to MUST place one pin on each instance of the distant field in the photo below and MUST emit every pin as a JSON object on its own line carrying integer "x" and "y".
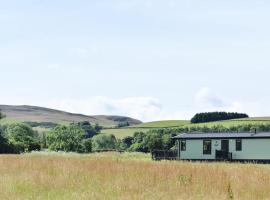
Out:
{"x": 236, "y": 122}
{"x": 127, "y": 176}
{"x": 254, "y": 119}
{"x": 129, "y": 131}
{"x": 163, "y": 124}
{"x": 123, "y": 132}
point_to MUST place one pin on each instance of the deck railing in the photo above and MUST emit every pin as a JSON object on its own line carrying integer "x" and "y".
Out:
{"x": 164, "y": 154}
{"x": 223, "y": 155}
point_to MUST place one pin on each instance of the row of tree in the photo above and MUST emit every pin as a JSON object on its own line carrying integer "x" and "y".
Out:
{"x": 20, "y": 137}
{"x": 84, "y": 138}
{"x": 216, "y": 116}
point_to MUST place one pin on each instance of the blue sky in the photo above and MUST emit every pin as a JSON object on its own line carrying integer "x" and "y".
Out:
{"x": 149, "y": 59}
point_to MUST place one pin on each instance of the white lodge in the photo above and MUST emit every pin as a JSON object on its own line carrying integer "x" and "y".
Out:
{"x": 224, "y": 146}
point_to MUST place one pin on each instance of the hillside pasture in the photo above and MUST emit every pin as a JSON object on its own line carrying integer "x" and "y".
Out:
{"x": 129, "y": 131}
{"x": 230, "y": 123}
{"x": 163, "y": 124}
{"x": 127, "y": 176}
{"x": 123, "y": 132}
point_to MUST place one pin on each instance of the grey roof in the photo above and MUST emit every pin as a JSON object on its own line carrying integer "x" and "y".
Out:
{"x": 222, "y": 135}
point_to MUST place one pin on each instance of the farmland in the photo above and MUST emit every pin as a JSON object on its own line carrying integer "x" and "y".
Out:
{"x": 163, "y": 124}
{"x": 128, "y": 131}
{"x": 127, "y": 176}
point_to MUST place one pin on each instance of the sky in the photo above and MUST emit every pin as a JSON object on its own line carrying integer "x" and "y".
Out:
{"x": 147, "y": 59}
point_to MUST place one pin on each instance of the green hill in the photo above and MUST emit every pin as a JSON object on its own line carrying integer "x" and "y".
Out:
{"x": 144, "y": 127}
{"x": 40, "y": 114}
{"x": 235, "y": 122}
{"x": 163, "y": 124}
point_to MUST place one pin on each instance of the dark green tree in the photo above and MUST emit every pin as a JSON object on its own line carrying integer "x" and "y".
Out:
{"x": 126, "y": 142}
{"x": 90, "y": 130}
{"x": 22, "y": 137}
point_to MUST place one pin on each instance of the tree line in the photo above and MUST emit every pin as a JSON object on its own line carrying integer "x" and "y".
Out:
{"x": 216, "y": 116}
{"x": 84, "y": 137}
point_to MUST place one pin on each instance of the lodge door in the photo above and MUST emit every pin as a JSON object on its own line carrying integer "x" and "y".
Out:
{"x": 225, "y": 145}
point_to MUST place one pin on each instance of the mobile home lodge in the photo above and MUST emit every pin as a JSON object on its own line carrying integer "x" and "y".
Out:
{"x": 242, "y": 147}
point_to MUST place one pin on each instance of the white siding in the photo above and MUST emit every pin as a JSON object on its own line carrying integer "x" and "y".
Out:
{"x": 251, "y": 149}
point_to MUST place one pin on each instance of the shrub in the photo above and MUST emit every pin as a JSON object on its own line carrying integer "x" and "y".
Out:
{"x": 87, "y": 145}
{"x": 22, "y": 137}
{"x": 66, "y": 138}
{"x": 104, "y": 142}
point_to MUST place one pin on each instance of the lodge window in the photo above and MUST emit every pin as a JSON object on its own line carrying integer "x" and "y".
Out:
{"x": 207, "y": 146}
{"x": 238, "y": 145}
{"x": 183, "y": 145}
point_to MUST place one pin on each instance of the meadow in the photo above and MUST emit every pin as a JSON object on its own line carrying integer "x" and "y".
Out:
{"x": 127, "y": 176}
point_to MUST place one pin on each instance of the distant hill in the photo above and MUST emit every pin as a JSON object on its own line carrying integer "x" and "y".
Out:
{"x": 40, "y": 114}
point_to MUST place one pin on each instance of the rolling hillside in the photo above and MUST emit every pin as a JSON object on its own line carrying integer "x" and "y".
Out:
{"x": 144, "y": 127}
{"x": 40, "y": 114}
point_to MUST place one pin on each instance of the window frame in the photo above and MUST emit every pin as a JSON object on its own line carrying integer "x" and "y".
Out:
{"x": 207, "y": 151}
{"x": 238, "y": 148}
{"x": 183, "y": 147}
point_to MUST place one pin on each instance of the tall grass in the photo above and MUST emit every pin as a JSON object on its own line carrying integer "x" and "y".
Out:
{"x": 115, "y": 176}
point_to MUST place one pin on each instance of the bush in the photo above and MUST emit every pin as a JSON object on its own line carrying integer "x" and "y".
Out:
{"x": 87, "y": 145}
{"x": 90, "y": 130}
{"x": 22, "y": 137}
{"x": 66, "y": 138}
{"x": 5, "y": 147}
{"x": 126, "y": 142}
{"x": 104, "y": 142}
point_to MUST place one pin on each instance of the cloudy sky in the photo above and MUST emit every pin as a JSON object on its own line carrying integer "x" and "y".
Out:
{"x": 148, "y": 59}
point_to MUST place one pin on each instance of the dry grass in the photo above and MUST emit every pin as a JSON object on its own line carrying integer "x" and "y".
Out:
{"x": 113, "y": 176}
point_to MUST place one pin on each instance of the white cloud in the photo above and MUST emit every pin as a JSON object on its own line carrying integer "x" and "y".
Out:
{"x": 143, "y": 108}
{"x": 149, "y": 108}
{"x": 207, "y": 100}
{"x": 82, "y": 53}
{"x": 205, "y": 97}
{"x": 53, "y": 67}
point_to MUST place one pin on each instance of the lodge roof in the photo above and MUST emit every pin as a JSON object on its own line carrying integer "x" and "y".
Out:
{"x": 222, "y": 135}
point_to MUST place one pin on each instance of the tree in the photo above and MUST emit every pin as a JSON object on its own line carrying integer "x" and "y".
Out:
{"x": 87, "y": 145}
{"x": 153, "y": 140}
{"x": 5, "y": 147}
{"x": 122, "y": 124}
{"x": 104, "y": 142}
{"x": 22, "y": 137}
{"x": 2, "y": 115}
{"x": 138, "y": 143}
{"x": 66, "y": 138}
{"x": 98, "y": 128}
{"x": 216, "y": 116}
{"x": 126, "y": 142}
{"x": 90, "y": 130}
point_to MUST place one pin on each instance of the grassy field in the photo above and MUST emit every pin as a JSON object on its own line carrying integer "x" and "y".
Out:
{"x": 123, "y": 132}
{"x": 229, "y": 123}
{"x": 129, "y": 131}
{"x": 163, "y": 124}
{"x": 127, "y": 176}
